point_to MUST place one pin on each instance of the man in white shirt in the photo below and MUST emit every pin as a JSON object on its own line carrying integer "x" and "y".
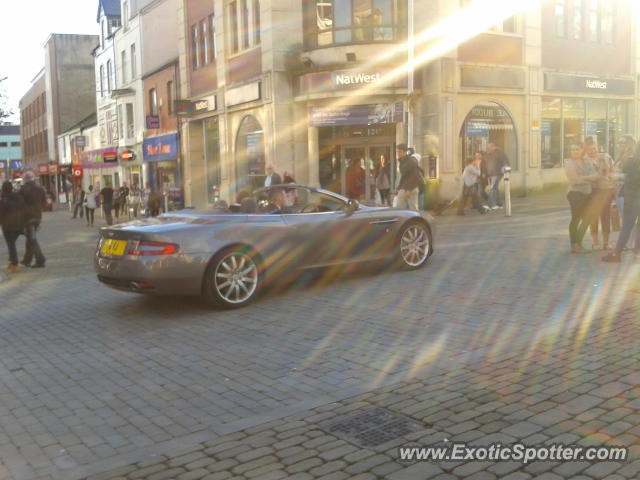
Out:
{"x": 272, "y": 177}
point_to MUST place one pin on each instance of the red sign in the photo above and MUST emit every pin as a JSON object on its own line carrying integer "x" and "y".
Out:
{"x": 76, "y": 171}
{"x": 53, "y": 168}
{"x": 110, "y": 157}
{"x": 127, "y": 156}
{"x": 43, "y": 169}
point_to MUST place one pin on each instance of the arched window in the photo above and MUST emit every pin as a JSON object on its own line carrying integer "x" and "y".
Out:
{"x": 489, "y": 122}
{"x": 250, "y": 160}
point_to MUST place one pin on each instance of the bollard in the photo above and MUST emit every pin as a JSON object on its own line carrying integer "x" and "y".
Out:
{"x": 507, "y": 191}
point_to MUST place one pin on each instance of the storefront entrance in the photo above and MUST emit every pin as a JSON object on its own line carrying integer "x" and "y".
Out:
{"x": 359, "y": 166}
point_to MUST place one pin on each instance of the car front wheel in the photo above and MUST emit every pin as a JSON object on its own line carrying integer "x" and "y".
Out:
{"x": 414, "y": 245}
{"x": 232, "y": 279}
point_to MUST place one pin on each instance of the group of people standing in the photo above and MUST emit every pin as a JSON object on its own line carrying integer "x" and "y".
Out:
{"x": 595, "y": 182}
{"x": 21, "y": 214}
{"x": 116, "y": 202}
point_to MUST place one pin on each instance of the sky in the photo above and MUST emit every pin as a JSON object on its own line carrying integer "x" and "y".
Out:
{"x": 24, "y": 28}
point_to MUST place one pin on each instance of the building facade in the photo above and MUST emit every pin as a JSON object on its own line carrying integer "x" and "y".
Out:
{"x": 10, "y": 152}
{"x": 317, "y": 87}
{"x": 60, "y": 96}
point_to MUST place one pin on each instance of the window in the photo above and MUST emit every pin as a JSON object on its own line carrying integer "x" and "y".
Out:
{"x": 256, "y": 21}
{"x": 233, "y": 19}
{"x": 133, "y": 61}
{"x": 204, "y": 43}
{"x": 195, "y": 47}
{"x": 578, "y": 8}
{"x": 170, "y": 97}
{"x": 102, "y": 80}
{"x": 123, "y": 66}
{"x": 3, "y": 144}
{"x": 212, "y": 158}
{"x": 561, "y": 18}
{"x": 153, "y": 102}
{"x": 244, "y": 19}
{"x": 109, "y": 73}
{"x": 607, "y": 22}
{"x": 212, "y": 37}
{"x": 594, "y": 20}
{"x": 250, "y": 155}
{"x": 130, "y": 124}
{"x": 329, "y": 22}
{"x": 15, "y": 144}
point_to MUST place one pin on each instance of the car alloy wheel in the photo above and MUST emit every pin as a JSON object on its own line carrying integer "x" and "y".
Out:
{"x": 233, "y": 278}
{"x": 415, "y": 244}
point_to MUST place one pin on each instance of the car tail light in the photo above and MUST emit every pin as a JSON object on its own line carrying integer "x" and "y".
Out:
{"x": 139, "y": 248}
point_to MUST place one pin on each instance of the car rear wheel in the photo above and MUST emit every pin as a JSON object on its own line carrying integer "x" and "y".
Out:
{"x": 232, "y": 279}
{"x": 414, "y": 245}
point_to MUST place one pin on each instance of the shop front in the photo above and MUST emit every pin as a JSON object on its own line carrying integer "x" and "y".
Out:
{"x": 160, "y": 156}
{"x": 100, "y": 168}
{"x": 353, "y": 142}
{"x": 575, "y": 108}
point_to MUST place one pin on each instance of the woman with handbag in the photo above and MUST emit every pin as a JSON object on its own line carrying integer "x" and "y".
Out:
{"x": 581, "y": 172}
{"x": 601, "y": 196}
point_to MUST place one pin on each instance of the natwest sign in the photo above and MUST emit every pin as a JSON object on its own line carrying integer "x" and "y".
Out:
{"x": 353, "y": 78}
{"x": 596, "y": 84}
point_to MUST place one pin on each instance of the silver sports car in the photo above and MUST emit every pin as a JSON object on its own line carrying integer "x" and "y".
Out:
{"x": 227, "y": 254}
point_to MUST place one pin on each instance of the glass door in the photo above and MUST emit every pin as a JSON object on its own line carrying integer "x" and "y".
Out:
{"x": 360, "y": 167}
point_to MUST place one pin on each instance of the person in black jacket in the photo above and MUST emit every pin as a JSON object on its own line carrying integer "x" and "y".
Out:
{"x": 12, "y": 221}
{"x": 35, "y": 200}
{"x": 411, "y": 179}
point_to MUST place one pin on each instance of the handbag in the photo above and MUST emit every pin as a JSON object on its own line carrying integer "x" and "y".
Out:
{"x": 615, "y": 218}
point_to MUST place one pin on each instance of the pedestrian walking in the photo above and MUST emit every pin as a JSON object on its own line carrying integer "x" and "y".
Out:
{"x": 582, "y": 173}
{"x": 383, "y": 180}
{"x": 35, "y": 201}
{"x": 78, "y": 202}
{"x": 155, "y": 202}
{"x": 355, "y": 180}
{"x": 496, "y": 161}
{"x": 135, "y": 201}
{"x": 602, "y": 195}
{"x": 123, "y": 198}
{"x": 631, "y": 211}
{"x": 471, "y": 186}
{"x": 90, "y": 204}
{"x": 12, "y": 221}
{"x": 410, "y": 179}
{"x": 626, "y": 149}
{"x": 106, "y": 200}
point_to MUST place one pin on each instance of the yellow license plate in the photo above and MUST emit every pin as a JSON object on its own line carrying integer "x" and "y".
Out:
{"x": 113, "y": 247}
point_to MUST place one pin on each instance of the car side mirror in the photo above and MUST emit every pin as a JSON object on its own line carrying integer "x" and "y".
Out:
{"x": 352, "y": 206}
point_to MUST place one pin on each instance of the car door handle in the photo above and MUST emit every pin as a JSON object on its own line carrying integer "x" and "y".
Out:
{"x": 382, "y": 222}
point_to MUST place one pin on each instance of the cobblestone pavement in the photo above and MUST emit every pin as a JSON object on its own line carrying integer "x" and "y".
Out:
{"x": 503, "y": 337}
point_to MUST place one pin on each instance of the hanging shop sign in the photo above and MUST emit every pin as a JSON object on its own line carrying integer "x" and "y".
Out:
{"x": 153, "y": 122}
{"x": 43, "y": 169}
{"x": 15, "y": 165}
{"x": 77, "y": 171}
{"x": 160, "y": 149}
{"x": 380, "y": 113}
{"x": 53, "y": 168}
{"x": 128, "y": 156}
{"x": 81, "y": 141}
{"x": 110, "y": 157}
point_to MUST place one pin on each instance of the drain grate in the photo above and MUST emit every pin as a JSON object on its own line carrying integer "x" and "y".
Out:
{"x": 371, "y": 427}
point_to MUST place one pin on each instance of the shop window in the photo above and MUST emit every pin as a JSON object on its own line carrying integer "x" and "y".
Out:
{"x": 489, "y": 122}
{"x": 560, "y": 11}
{"x": 551, "y": 133}
{"x": 596, "y": 126}
{"x": 250, "y": 158}
{"x": 573, "y": 123}
{"x": 212, "y": 159}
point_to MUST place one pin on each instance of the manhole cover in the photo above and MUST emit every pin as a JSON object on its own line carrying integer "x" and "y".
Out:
{"x": 371, "y": 427}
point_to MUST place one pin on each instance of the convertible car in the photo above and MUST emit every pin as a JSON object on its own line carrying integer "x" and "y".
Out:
{"x": 227, "y": 254}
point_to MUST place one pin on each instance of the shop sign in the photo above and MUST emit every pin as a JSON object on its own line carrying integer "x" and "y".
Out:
{"x": 355, "y": 78}
{"x": 380, "y": 113}
{"x": 153, "y": 122}
{"x": 77, "y": 171}
{"x": 477, "y": 129}
{"x": 110, "y": 157}
{"x": 128, "y": 156}
{"x": 546, "y": 127}
{"x": 81, "y": 141}
{"x": 3, "y": 165}
{"x": 53, "y": 168}
{"x": 15, "y": 165}
{"x": 160, "y": 149}
{"x": 43, "y": 169}
{"x": 572, "y": 83}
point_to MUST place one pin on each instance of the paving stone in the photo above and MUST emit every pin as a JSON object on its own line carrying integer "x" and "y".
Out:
{"x": 304, "y": 465}
{"x": 366, "y": 464}
{"x": 602, "y": 469}
{"x": 327, "y": 468}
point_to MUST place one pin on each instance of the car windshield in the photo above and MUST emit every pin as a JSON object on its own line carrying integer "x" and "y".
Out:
{"x": 290, "y": 200}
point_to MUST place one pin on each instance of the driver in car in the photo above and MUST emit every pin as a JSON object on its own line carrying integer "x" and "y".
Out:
{"x": 278, "y": 202}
